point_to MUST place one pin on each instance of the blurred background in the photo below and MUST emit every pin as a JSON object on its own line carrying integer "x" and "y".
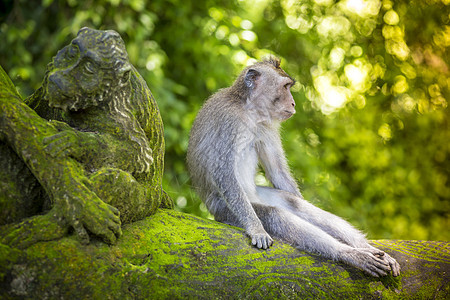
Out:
{"x": 370, "y": 141}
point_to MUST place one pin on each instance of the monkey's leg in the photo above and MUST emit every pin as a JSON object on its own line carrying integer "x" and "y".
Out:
{"x": 33, "y": 229}
{"x": 303, "y": 235}
{"x": 121, "y": 190}
{"x": 331, "y": 224}
{"x": 328, "y": 222}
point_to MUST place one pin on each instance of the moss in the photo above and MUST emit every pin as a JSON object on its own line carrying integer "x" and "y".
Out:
{"x": 171, "y": 255}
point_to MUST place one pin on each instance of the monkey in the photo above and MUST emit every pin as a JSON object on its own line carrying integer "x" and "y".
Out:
{"x": 95, "y": 119}
{"x": 237, "y": 128}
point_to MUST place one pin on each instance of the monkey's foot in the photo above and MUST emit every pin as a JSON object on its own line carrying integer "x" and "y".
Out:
{"x": 395, "y": 267}
{"x": 32, "y": 230}
{"x": 371, "y": 261}
{"x": 393, "y": 264}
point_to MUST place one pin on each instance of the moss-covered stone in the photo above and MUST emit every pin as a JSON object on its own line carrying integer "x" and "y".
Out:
{"x": 87, "y": 144}
{"x": 172, "y": 255}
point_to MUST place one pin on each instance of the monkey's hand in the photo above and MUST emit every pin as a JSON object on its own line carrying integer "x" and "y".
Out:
{"x": 84, "y": 211}
{"x": 260, "y": 238}
{"x": 66, "y": 142}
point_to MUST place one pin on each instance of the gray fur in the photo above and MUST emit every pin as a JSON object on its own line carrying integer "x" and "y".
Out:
{"x": 239, "y": 127}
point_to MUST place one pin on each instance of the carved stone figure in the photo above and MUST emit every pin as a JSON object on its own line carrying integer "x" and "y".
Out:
{"x": 86, "y": 147}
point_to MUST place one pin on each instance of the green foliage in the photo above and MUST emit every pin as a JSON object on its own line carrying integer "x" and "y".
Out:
{"x": 370, "y": 139}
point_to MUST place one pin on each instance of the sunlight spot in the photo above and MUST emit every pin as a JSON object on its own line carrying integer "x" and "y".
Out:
{"x": 154, "y": 61}
{"x": 292, "y": 22}
{"x": 240, "y": 57}
{"x": 400, "y": 86}
{"x": 406, "y": 102}
{"x": 335, "y": 97}
{"x": 355, "y": 75}
{"x": 246, "y": 24}
{"x": 333, "y": 26}
{"x": 331, "y": 97}
{"x": 337, "y": 56}
{"x": 385, "y": 132}
{"x": 324, "y": 2}
{"x": 248, "y": 35}
{"x": 391, "y": 18}
{"x": 408, "y": 70}
{"x": 356, "y": 6}
{"x": 216, "y": 14}
{"x": 252, "y": 61}
{"x": 363, "y": 8}
{"x": 298, "y": 23}
{"x": 181, "y": 202}
{"x": 356, "y": 51}
{"x": 358, "y": 75}
{"x": 236, "y": 21}
{"x": 261, "y": 180}
{"x": 234, "y": 39}
{"x": 360, "y": 101}
{"x": 222, "y": 32}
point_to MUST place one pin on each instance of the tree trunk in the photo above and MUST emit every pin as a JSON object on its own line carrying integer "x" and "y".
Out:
{"x": 172, "y": 255}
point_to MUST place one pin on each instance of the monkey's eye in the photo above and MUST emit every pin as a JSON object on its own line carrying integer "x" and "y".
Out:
{"x": 89, "y": 68}
{"x": 287, "y": 86}
{"x": 125, "y": 76}
{"x": 72, "y": 52}
{"x": 274, "y": 101}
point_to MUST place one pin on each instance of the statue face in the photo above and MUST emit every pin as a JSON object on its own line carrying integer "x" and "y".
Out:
{"x": 87, "y": 71}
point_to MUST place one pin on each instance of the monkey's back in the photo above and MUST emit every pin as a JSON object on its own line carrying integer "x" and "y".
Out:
{"x": 212, "y": 138}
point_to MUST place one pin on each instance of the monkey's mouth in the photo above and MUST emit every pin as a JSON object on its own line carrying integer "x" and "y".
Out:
{"x": 287, "y": 114}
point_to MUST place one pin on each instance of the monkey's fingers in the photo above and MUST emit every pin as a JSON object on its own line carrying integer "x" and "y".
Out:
{"x": 379, "y": 266}
{"x": 108, "y": 226}
{"x": 57, "y": 145}
{"x": 374, "y": 251}
{"x": 262, "y": 241}
{"x": 81, "y": 232}
{"x": 366, "y": 260}
{"x": 395, "y": 267}
{"x": 60, "y": 125}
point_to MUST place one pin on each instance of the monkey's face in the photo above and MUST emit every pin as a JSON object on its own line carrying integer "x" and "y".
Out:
{"x": 272, "y": 94}
{"x": 282, "y": 101}
{"x": 84, "y": 73}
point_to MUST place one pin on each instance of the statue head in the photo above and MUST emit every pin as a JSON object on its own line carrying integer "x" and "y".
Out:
{"x": 88, "y": 71}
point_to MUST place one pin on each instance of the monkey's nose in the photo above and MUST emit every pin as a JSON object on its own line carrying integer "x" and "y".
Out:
{"x": 293, "y": 104}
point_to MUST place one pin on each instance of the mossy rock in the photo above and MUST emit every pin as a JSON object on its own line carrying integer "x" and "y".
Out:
{"x": 172, "y": 255}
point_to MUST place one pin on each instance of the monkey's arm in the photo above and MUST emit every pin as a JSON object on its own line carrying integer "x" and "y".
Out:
{"x": 272, "y": 158}
{"x": 236, "y": 191}
{"x": 98, "y": 148}
{"x": 244, "y": 214}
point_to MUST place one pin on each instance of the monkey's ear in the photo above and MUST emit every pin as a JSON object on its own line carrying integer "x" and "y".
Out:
{"x": 250, "y": 78}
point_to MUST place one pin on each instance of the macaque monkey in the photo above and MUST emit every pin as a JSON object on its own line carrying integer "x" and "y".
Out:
{"x": 239, "y": 126}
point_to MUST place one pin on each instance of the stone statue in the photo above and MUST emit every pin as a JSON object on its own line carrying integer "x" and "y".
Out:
{"x": 85, "y": 151}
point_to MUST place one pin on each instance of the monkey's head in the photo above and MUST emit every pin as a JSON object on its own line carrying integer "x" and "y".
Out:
{"x": 88, "y": 71}
{"x": 267, "y": 90}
